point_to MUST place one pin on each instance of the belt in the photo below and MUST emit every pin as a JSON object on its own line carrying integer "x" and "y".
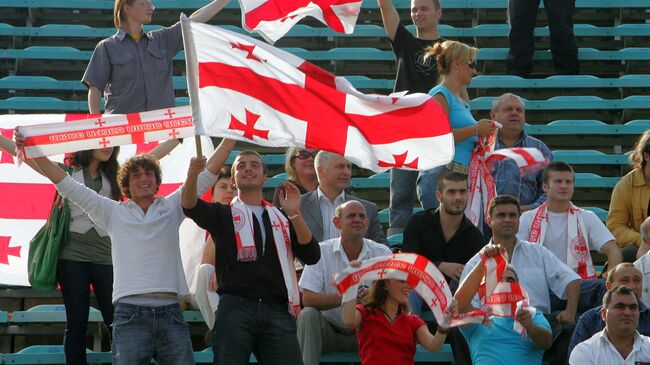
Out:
{"x": 457, "y": 167}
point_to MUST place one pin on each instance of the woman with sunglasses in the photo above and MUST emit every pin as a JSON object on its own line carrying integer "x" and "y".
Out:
{"x": 386, "y": 332}
{"x": 456, "y": 64}
{"x": 299, "y": 165}
{"x": 500, "y": 343}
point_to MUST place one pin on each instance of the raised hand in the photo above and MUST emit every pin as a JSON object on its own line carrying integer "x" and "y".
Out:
{"x": 290, "y": 199}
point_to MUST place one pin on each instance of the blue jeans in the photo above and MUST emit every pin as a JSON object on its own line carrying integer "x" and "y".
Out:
{"x": 141, "y": 333}
{"x": 75, "y": 278}
{"x": 243, "y": 326}
{"x": 591, "y": 295}
{"x": 402, "y": 196}
{"x": 428, "y": 185}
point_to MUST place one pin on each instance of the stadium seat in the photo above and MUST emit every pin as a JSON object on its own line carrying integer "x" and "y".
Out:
{"x": 41, "y": 354}
{"x": 49, "y": 313}
{"x": 591, "y": 126}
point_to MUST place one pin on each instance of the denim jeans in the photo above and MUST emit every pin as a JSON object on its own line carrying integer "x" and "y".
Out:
{"x": 591, "y": 295}
{"x": 427, "y": 184}
{"x": 243, "y": 326}
{"x": 75, "y": 278}
{"x": 141, "y": 333}
{"x": 402, "y": 196}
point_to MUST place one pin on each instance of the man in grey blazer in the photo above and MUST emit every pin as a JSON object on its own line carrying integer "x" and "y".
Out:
{"x": 317, "y": 207}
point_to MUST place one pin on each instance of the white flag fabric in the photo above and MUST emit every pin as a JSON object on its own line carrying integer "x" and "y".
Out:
{"x": 25, "y": 196}
{"x": 272, "y": 19}
{"x": 245, "y": 89}
{"x": 108, "y": 130}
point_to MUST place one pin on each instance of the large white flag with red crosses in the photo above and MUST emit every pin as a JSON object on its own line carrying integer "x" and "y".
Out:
{"x": 25, "y": 196}
{"x": 274, "y": 18}
{"x": 245, "y": 89}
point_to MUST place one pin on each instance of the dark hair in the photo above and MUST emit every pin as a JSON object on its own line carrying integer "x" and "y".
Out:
{"x": 145, "y": 161}
{"x": 611, "y": 274}
{"x": 378, "y": 294}
{"x": 224, "y": 173}
{"x": 512, "y": 269}
{"x": 619, "y": 289}
{"x": 503, "y": 200}
{"x": 109, "y": 167}
{"x": 450, "y": 176}
{"x": 233, "y": 168}
{"x": 556, "y": 166}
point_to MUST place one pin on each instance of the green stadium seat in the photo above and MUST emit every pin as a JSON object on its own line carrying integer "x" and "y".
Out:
{"x": 3, "y": 318}
{"x": 572, "y": 103}
{"x": 53, "y": 313}
{"x": 570, "y": 127}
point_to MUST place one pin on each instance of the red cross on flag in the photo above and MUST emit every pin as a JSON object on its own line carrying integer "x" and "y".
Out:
{"x": 274, "y": 18}
{"x": 25, "y": 196}
{"x": 245, "y": 89}
{"x": 52, "y": 137}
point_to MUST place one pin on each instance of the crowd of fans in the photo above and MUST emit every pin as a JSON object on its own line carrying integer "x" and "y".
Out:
{"x": 244, "y": 277}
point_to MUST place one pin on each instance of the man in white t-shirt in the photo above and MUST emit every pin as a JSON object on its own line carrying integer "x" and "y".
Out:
{"x": 570, "y": 233}
{"x": 320, "y": 326}
{"x": 619, "y": 342}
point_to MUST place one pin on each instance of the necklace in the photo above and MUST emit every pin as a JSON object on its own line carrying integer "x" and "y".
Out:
{"x": 390, "y": 319}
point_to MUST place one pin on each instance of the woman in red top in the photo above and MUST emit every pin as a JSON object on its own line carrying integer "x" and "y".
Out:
{"x": 386, "y": 332}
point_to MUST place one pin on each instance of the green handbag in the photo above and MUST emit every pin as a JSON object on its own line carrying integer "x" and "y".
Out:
{"x": 44, "y": 247}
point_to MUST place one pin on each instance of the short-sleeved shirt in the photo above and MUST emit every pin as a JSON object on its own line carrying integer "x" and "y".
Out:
{"x": 414, "y": 73}
{"x": 501, "y": 344}
{"x": 539, "y": 271}
{"x": 460, "y": 116}
{"x": 135, "y": 76}
{"x": 381, "y": 342}
{"x": 319, "y": 278}
{"x": 555, "y": 240}
{"x": 599, "y": 350}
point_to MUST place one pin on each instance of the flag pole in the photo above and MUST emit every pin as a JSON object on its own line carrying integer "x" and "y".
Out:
{"x": 191, "y": 69}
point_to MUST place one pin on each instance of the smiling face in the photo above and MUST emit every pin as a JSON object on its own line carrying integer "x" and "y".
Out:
{"x": 140, "y": 11}
{"x": 425, "y": 14}
{"x": 248, "y": 172}
{"x": 102, "y": 154}
{"x": 398, "y": 290}
{"x": 466, "y": 71}
{"x": 142, "y": 183}
{"x": 511, "y": 114}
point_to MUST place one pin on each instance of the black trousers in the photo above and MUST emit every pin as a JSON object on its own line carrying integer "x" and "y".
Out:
{"x": 522, "y": 46}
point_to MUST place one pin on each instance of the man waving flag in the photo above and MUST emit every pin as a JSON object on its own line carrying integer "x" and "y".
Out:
{"x": 245, "y": 89}
{"x": 274, "y": 18}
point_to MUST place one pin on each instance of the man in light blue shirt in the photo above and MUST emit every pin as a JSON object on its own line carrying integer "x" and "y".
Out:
{"x": 508, "y": 109}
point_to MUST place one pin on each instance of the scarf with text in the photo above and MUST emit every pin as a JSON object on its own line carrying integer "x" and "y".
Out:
{"x": 578, "y": 256}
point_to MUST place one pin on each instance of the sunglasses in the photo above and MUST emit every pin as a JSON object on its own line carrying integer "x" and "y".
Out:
{"x": 303, "y": 155}
{"x": 473, "y": 65}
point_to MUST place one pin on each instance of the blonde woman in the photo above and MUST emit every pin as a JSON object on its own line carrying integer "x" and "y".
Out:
{"x": 299, "y": 166}
{"x": 630, "y": 202}
{"x": 456, "y": 64}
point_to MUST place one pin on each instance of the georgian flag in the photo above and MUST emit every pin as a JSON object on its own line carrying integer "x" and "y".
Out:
{"x": 272, "y": 19}
{"x": 26, "y": 196}
{"x": 245, "y": 89}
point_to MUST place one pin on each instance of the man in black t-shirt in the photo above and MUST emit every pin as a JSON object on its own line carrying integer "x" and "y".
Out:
{"x": 414, "y": 74}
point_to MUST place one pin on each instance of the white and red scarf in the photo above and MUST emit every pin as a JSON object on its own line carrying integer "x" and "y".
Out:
{"x": 577, "y": 256}
{"x": 242, "y": 219}
{"x": 482, "y": 188}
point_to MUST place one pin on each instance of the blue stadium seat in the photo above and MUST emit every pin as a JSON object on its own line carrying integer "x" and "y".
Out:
{"x": 572, "y": 103}
{"x": 3, "y": 318}
{"x": 41, "y": 354}
{"x": 50, "y": 313}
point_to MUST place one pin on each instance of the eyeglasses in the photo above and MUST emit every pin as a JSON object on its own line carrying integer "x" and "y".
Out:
{"x": 303, "y": 155}
{"x": 473, "y": 65}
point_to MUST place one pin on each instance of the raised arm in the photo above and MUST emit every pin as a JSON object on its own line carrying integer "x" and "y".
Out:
{"x": 351, "y": 316}
{"x": 469, "y": 286}
{"x": 206, "y": 13}
{"x": 9, "y": 146}
{"x": 389, "y": 16}
{"x": 290, "y": 202}
{"x": 220, "y": 155}
{"x": 430, "y": 342}
{"x": 189, "y": 191}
